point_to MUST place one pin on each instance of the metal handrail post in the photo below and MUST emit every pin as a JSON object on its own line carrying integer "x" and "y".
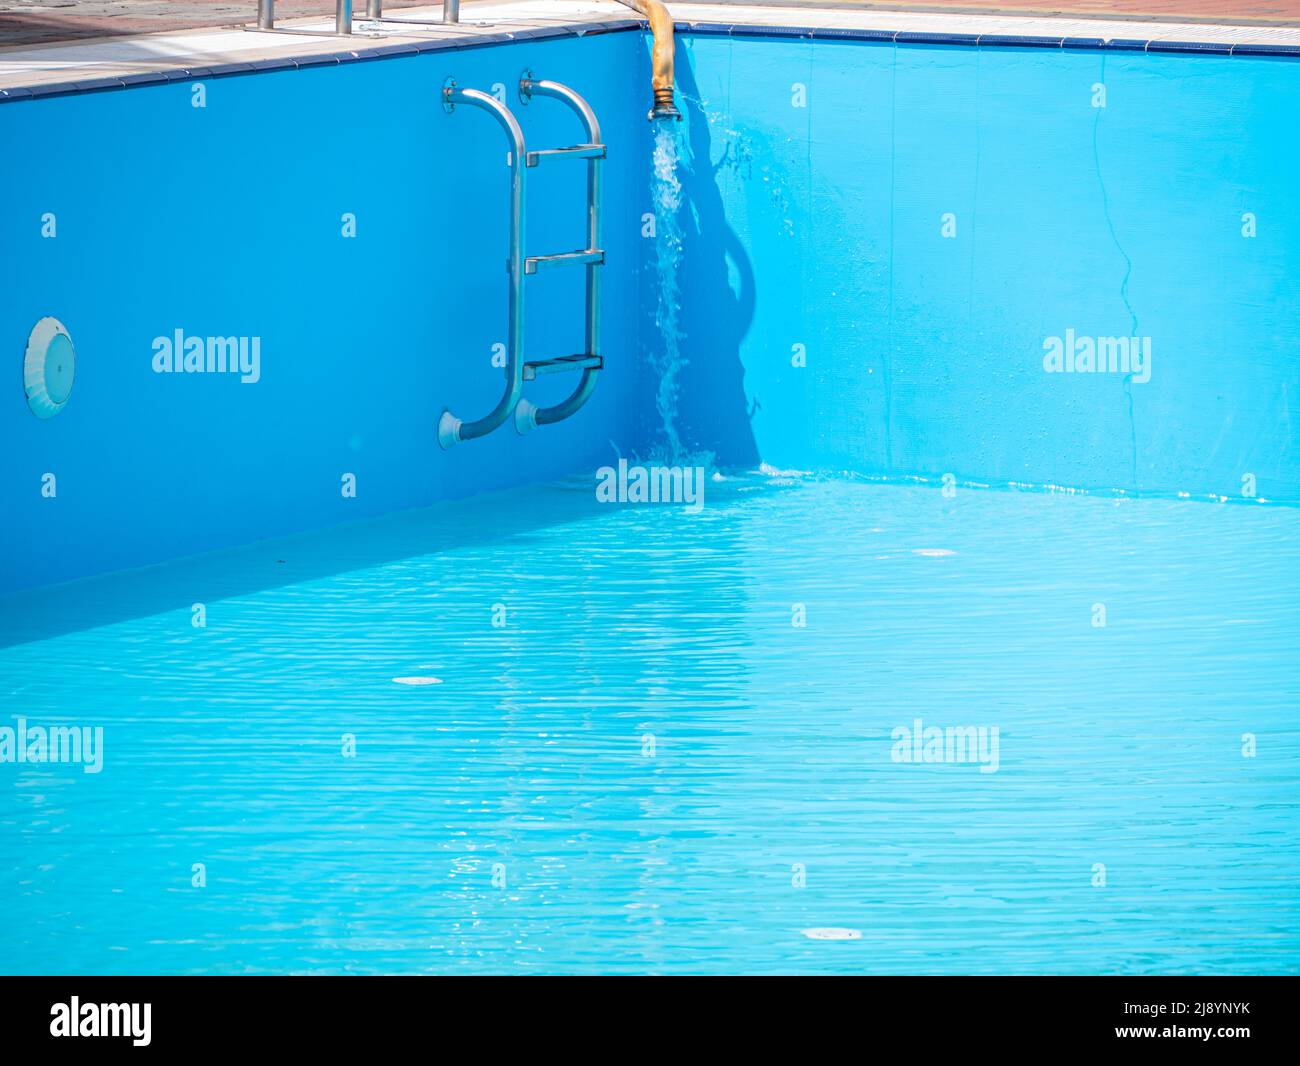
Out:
{"x": 342, "y": 16}
{"x": 451, "y": 429}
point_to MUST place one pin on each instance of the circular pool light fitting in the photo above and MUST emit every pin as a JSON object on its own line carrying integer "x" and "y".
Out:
{"x": 49, "y": 368}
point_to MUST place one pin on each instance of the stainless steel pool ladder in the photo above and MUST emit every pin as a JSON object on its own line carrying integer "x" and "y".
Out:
{"x": 451, "y": 430}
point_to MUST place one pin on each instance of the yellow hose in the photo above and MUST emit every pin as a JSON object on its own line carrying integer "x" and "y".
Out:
{"x": 661, "y": 26}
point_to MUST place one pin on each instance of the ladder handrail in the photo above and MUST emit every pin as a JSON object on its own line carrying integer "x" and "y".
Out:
{"x": 529, "y": 416}
{"x": 451, "y": 429}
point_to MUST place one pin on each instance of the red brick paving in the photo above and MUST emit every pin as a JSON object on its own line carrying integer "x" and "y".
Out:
{"x": 36, "y": 21}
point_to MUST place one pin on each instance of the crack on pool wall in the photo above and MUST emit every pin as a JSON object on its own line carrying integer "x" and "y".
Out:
{"x": 975, "y": 182}
{"x": 887, "y": 360}
{"x": 1127, "y": 381}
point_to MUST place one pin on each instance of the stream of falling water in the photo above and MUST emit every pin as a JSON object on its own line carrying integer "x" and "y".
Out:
{"x": 667, "y": 359}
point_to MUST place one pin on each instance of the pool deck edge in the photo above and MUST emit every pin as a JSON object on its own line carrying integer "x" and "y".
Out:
{"x": 40, "y": 71}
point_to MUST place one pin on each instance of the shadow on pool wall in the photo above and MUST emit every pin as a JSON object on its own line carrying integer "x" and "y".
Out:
{"x": 716, "y": 285}
{"x": 922, "y": 220}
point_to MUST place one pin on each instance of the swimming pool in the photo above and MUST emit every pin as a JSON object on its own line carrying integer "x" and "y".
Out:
{"x": 476, "y": 716}
{"x": 641, "y": 762}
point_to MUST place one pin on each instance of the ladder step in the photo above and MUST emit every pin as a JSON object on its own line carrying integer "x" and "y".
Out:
{"x": 562, "y": 364}
{"x": 577, "y": 151}
{"x": 587, "y": 255}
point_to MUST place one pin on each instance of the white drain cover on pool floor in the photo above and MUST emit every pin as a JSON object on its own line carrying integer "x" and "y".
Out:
{"x": 833, "y": 933}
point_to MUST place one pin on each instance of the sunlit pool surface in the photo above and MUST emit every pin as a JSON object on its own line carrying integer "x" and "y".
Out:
{"x": 594, "y": 738}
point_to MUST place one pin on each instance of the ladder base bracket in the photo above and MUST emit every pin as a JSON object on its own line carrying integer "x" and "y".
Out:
{"x": 448, "y": 430}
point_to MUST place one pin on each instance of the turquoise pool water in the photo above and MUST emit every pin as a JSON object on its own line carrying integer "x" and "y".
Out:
{"x": 641, "y": 767}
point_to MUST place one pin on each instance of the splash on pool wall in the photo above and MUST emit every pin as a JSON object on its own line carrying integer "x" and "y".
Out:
{"x": 873, "y": 260}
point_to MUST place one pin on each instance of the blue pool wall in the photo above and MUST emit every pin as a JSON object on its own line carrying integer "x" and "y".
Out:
{"x": 822, "y": 226}
{"x": 227, "y": 221}
{"x": 817, "y": 226}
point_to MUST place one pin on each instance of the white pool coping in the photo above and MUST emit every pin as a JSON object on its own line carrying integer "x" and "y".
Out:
{"x": 33, "y": 66}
